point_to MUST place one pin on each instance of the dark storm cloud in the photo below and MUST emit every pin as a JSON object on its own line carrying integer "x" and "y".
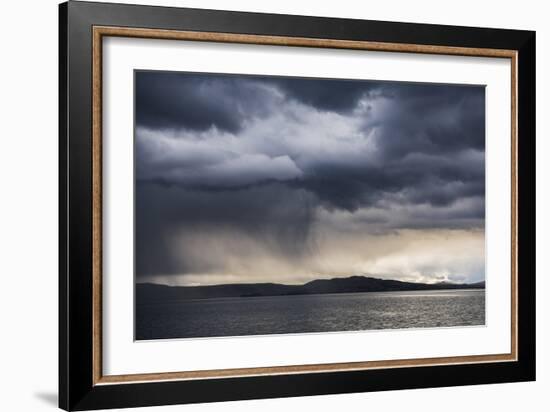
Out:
{"x": 432, "y": 119}
{"x": 430, "y": 142}
{"x": 424, "y": 135}
{"x": 168, "y": 100}
{"x": 327, "y": 94}
{"x": 257, "y": 158}
{"x": 412, "y": 179}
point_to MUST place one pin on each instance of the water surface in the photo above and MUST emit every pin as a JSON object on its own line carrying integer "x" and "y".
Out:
{"x": 310, "y": 313}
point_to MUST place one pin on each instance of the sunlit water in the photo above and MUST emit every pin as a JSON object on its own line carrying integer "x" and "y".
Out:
{"x": 309, "y": 313}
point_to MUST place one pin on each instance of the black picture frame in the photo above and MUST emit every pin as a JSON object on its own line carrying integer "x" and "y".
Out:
{"x": 77, "y": 389}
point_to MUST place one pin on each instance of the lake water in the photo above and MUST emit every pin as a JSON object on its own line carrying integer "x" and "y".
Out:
{"x": 309, "y": 313}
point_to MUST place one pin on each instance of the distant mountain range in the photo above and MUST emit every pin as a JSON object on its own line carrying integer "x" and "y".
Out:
{"x": 150, "y": 293}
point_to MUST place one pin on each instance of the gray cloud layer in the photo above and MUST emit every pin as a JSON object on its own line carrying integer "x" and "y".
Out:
{"x": 274, "y": 159}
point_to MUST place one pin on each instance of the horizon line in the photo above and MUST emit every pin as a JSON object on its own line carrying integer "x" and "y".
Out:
{"x": 303, "y": 284}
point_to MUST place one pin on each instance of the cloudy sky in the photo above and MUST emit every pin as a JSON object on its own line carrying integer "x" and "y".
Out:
{"x": 271, "y": 179}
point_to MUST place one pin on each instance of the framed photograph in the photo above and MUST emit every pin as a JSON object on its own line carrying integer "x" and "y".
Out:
{"x": 256, "y": 205}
